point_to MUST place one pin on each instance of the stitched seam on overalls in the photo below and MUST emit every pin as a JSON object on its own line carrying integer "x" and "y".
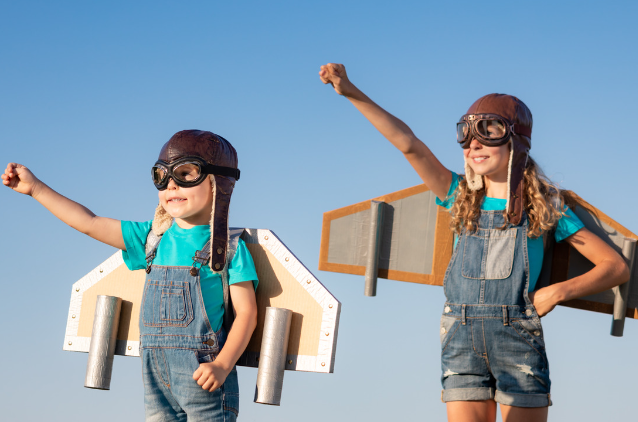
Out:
{"x": 451, "y": 336}
{"x": 449, "y": 265}
{"x": 200, "y": 299}
{"x": 531, "y": 334}
{"x": 472, "y": 321}
{"x": 530, "y": 345}
{"x": 187, "y": 301}
{"x": 227, "y": 408}
{"x": 157, "y": 369}
{"x": 526, "y": 260}
{"x": 464, "y": 249}
{"x": 487, "y": 360}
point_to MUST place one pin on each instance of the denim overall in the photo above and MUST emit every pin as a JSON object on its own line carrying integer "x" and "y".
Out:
{"x": 492, "y": 343}
{"x": 175, "y": 337}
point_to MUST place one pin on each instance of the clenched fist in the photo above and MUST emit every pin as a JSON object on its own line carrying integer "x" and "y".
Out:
{"x": 20, "y": 179}
{"x": 335, "y": 75}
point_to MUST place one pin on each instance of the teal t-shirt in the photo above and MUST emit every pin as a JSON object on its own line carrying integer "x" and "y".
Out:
{"x": 177, "y": 248}
{"x": 565, "y": 227}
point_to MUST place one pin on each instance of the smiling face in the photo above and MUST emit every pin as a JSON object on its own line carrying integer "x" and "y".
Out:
{"x": 491, "y": 162}
{"x": 188, "y": 206}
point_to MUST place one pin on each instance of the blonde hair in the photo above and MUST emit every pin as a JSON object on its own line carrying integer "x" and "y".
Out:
{"x": 544, "y": 203}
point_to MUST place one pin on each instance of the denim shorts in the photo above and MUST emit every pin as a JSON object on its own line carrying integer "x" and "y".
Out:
{"x": 171, "y": 393}
{"x": 485, "y": 359}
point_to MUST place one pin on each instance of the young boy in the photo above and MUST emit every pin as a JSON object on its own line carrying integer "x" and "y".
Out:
{"x": 188, "y": 349}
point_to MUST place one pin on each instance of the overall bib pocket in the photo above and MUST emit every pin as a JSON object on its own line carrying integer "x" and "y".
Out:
{"x": 167, "y": 304}
{"x": 493, "y": 254}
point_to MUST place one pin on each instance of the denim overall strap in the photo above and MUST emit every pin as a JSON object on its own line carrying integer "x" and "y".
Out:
{"x": 152, "y": 242}
{"x": 488, "y": 274}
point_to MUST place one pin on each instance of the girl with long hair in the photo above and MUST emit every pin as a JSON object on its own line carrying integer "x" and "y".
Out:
{"x": 492, "y": 345}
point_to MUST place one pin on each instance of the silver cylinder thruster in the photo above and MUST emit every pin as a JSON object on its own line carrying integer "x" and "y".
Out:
{"x": 374, "y": 246}
{"x": 622, "y": 292}
{"x": 272, "y": 358}
{"x": 103, "y": 340}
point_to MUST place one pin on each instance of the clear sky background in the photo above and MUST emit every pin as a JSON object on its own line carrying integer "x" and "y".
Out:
{"x": 89, "y": 92}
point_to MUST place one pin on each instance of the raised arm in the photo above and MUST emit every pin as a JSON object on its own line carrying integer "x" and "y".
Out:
{"x": 428, "y": 167}
{"x": 22, "y": 180}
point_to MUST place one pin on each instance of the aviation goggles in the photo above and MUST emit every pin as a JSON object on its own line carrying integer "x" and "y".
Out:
{"x": 489, "y": 129}
{"x": 187, "y": 172}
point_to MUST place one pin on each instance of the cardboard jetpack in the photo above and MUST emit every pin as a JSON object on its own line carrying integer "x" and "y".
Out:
{"x": 284, "y": 282}
{"x": 405, "y": 236}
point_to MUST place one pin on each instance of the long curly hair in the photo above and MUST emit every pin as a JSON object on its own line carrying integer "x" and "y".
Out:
{"x": 544, "y": 203}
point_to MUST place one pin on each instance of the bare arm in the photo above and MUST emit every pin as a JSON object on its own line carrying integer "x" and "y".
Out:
{"x": 427, "y": 166}
{"x": 610, "y": 270}
{"x": 211, "y": 375}
{"x": 106, "y": 230}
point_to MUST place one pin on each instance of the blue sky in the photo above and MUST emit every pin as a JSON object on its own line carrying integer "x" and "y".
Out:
{"x": 90, "y": 91}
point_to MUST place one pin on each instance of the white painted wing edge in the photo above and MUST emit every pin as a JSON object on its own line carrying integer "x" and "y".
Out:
{"x": 72, "y": 342}
{"x": 324, "y": 361}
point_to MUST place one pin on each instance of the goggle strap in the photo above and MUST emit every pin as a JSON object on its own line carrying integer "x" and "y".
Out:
{"x": 523, "y": 130}
{"x": 222, "y": 171}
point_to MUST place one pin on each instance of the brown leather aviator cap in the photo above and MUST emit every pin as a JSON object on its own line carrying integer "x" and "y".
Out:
{"x": 516, "y": 112}
{"x": 217, "y": 151}
{"x": 198, "y": 143}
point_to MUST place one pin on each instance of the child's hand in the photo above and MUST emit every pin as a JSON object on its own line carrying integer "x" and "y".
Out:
{"x": 543, "y": 300}
{"x": 211, "y": 375}
{"x": 20, "y": 179}
{"x": 335, "y": 75}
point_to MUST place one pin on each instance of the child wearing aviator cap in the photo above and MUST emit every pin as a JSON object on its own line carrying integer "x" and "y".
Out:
{"x": 492, "y": 346}
{"x": 198, "y": 274}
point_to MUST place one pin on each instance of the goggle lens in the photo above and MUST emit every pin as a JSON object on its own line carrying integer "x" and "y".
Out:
{"x": 187, "y": 172}
{"x": 462, "y": 130}
{"x": 491, "y": 129}
{"x": 488, "y": 130}
{"x": 184, "y": 174}
{"x": 159, "y": 174}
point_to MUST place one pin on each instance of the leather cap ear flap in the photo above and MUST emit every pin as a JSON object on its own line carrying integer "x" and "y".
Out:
{"x": 161, "y": 221}
{"x": 516, "y": 181}
{"x": 474, "y": 181}
{"x": 222, "y": 191}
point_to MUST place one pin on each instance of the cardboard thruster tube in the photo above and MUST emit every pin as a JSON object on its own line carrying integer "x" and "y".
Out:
{"x": 622, "y": 292}
{"x": 103, "y": 341}
{"x": 272, "y": 358}
{"x": 374, "y": 246}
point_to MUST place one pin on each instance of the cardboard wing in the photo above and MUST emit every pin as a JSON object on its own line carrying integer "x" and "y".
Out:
{"x": 284, "y": 282}
{"x": 416, "y": 245}
{"x": 564, "y": 262}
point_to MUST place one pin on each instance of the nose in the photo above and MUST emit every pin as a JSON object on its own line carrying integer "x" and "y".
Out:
{"x": 474, "y": 144}
{"x": 171, "y": 184}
